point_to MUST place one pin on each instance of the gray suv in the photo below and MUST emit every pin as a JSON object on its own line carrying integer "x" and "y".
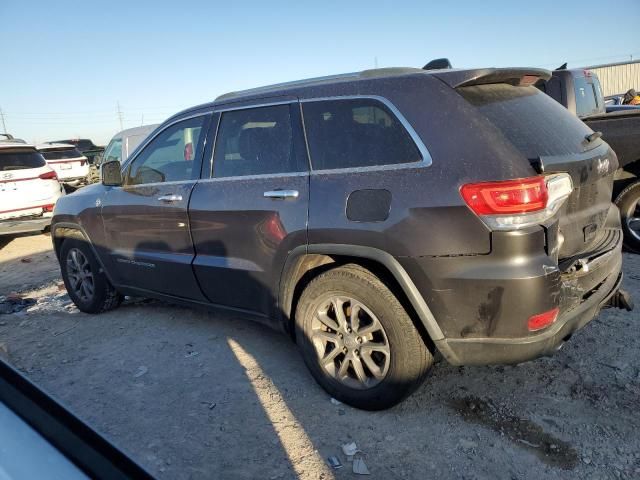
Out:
{"x": 376, "y": 217}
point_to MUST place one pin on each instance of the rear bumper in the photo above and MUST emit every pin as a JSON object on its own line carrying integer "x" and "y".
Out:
{"x": 485, "y": 351}
{"x": 15, "y": 226}
{"x": 482, "y": 303}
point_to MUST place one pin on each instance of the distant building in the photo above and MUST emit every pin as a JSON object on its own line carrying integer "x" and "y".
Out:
{"x": 618, "y": 77}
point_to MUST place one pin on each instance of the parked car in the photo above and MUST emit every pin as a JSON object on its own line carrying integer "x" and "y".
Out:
{"x": 71, "y": 166}
{"x": 120, "y": 147}
{"x": 82, "y": 144}
{"x": 412, "y": 211}
{"x": 579, "y": 90}
{"x": 29, "y": 189}
{"x": 7, "y": 137}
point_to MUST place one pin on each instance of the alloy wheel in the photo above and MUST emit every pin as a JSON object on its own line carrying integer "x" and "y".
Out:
{"x": 80, "y": 277}
{"x": 350, "y": 342}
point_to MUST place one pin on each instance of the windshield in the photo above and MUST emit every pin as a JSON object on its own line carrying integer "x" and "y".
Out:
{"x": 20, "y": 160}
{"x": 61, "y": 154}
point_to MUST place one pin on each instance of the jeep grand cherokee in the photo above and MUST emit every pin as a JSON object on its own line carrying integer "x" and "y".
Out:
{"x": 377, "y": 217}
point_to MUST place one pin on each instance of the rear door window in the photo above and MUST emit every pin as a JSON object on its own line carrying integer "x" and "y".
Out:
{"x": 20, "y": 160}
{"x": 532, "y": 121}
{"x": 348, "y": 133}
{"x": 255, "y": 141}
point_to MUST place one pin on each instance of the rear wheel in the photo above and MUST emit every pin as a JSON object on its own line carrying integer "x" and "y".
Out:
{"x": 358, "y": 341}
{"x": 87, "y": 285}
{"x": 628, "y": 201}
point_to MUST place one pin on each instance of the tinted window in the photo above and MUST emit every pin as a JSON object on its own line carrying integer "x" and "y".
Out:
{"x": 255, "y": 141}
{"x": 171, "y": 155}
{"x": 61, "y": 154}
{"x": 532, "y": 121}
{"x": 20, "y": 160}
{"x": 113, "y": 151}
{"x": 585, "y": 97}
{"x": 356, "y": 133}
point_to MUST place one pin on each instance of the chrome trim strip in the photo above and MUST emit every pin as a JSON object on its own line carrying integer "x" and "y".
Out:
{"x": 424, "y": 152}
{"x": 254, "y": 177}
{"x": 156, "y": 184}
{"x": 224, "y": 108}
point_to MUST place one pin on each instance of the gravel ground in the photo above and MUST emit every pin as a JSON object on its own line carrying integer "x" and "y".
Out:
{"x": 191, "y": 394}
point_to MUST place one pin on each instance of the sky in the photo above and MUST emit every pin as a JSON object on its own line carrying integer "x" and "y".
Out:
{"x": 68, "y": 67}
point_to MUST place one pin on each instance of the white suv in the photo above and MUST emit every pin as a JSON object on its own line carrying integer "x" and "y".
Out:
{"x": 29, "y": 189}
{"x": 71, "y": 166}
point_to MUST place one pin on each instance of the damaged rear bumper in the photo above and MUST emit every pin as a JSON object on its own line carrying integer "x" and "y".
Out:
{"x": 482, "y": 303}
{"x": 484, "y": 351}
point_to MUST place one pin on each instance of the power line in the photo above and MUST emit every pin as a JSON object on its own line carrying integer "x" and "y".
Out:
{"x": 120, "y": 116}
{"x": 4, "y": 125}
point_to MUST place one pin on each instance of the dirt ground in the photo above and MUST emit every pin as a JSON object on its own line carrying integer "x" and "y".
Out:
{"x": 190, "y": 394}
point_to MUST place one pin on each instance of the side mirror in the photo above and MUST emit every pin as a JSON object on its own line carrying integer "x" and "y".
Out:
{"x": 110, "y": 172}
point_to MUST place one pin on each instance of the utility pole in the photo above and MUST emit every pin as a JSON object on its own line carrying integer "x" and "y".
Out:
{"x": 4, "y": 125}
{"x": 142, "y": 120}
{"x": 120, "y": 116}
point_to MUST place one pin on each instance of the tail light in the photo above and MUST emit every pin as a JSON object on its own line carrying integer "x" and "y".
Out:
{"x": 519, "y": 203}
{"x": 542, "y": 320}
{"x": 48, "y": 208}
{"x": 49, "y": 176}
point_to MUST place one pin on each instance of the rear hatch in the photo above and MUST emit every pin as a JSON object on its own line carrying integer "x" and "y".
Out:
{"x": 23, "y": 192}
{"x": 67, "y": 162}
{"x": 553, "y": 140}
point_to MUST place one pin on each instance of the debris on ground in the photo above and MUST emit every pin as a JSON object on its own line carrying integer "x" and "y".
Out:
{"x": 14, "y": 303}
{"x": 359, "y": 467}
{"x": 191, "y": 354}
{"x": 141, "y": 371}
{"x": 350, "y": 449}
{"x": 334, "y": 462}
{"x": 335, "y": 402}
{"x": 26, "y": 260}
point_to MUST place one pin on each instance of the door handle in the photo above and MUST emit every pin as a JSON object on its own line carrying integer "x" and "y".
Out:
{"x": 281, "y": 194}
{"x": 170, "y": 198}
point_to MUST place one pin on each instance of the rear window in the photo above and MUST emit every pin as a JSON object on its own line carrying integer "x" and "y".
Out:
{"x": 533, "y": 122}
{"x": 586, "y": 96}
{"x": 356, "y": 133}
{"x": 20, "y": 160}
{"x": 61, "y": 154}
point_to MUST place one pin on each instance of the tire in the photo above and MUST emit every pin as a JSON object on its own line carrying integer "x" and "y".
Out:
{"x": 102, "y": 296}
{"x": 627, "y": 201}
{"x": 352, "y": 288}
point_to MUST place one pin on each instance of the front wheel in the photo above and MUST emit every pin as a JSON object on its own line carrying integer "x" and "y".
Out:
{"x": 358, "y": 341}
{"x": 87, "y": 285}
{"x": 628, "y": 201}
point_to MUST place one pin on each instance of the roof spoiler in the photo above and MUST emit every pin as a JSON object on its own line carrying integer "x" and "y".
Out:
{"x": 484, "y": 76}
{"x": 438, "y": 64}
